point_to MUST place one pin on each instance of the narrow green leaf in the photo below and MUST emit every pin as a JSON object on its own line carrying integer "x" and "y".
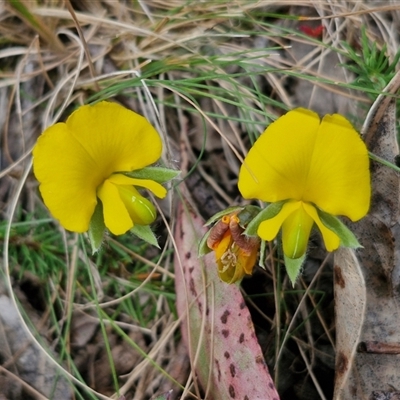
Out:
{"x": 44, "y": 31}
{"x": 383, "y": 162}
{"x": 293, "y": 267}
{"x": 157, "y": 174}
{"x": 346, "y": 236}
{"x": 145, "y": 233}
{"x": 23, "y": 10}
{"x": 269, "y": 212}
{"x": 97, "y": 228}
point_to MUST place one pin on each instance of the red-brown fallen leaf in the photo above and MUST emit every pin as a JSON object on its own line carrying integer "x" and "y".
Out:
{"x": 217, "y": 325}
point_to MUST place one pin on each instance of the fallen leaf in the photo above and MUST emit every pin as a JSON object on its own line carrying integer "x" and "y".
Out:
{"x": 217, "y": 326}
{"x": 350, "y": 300}
{"x": 367, "y": 365}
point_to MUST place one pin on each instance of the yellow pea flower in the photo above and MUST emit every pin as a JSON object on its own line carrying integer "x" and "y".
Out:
{"x": 82, "y": 161}
{"x": 313, "y": 168}
{"x": 235, "y": 253}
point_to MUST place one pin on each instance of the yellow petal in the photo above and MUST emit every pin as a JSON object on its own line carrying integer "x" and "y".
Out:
{"x": 231, "y": 274}
{"x": 141, "y": 210}
{"x": 248, "y": 261}
{"x": 298, "y": 158}
{"x": 295, "y": 233}
{"x": 115, "y": 138}
{"x": 68, "y": 177}
{"x": 155, "y": 187}
{"x": 277, "y": 165}
{"x": 339, "y": 180}
{"x": 331, "y": 240}
{"x": 223, "y": 245}
{"x": 230, "y": 267}
{"x": 116, "y": 216}
{"x": 217, "y": 232}
{"x": 269, "y": 228}
{"x": 71, "y": 160}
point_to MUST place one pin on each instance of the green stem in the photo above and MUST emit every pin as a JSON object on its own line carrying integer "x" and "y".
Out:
{"x": 383, "y": 161}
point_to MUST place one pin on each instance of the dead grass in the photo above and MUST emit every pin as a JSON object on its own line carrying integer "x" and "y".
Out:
{"x": 210, "y": 76}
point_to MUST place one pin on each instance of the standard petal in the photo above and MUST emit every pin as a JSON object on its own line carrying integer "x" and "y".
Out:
{"x": 116, "y": 138}
{"x": 277, "y": 166}
{"x": 269, "y": 228}
{"x": 116, "y": 216}
{"x": 68, "y": 177}
{"x": 331, "y": 240}
{"x": 339, "y": 179}
{"x": 155, "y": 187}
{"x": 296, "y": 231}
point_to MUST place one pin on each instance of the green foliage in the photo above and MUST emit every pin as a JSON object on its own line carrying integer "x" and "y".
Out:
{"x": 34, "y": 246}
{"x": 68, "y": 274}
{"x": 371, "y": 65}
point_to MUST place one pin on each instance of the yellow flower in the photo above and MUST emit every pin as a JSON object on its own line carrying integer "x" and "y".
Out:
{"x": 235, "y": 253}
{"x": 84, "y": 159}
{"x": 313, "y": 167}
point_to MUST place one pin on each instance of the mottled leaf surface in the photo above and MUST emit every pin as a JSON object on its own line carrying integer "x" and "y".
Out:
{"x": 368, "y": 365}
{"x": 216, "y": 325}
{"x": 350, "y": 301}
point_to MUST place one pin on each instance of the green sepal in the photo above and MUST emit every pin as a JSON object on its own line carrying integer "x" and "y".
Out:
{"x": 263, "y": 250}
{"x": 145, "y": 233}
{"x": 293, "y": 267}
{"x": 203, "y": 249}
{"x": 157, "y": 174}
{"x": 247, "y": 215}
{"x": 346, "y": 236}
{"x": 220, "y": 214}
{"x": 269, "y": 212}
{"x": 97, "y": 228}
